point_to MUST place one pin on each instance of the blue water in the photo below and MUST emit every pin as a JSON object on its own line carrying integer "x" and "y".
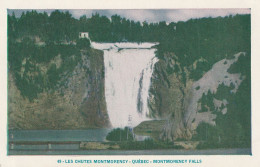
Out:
{"x": 59, "y": 135}
{"x": 44, "y": 147}
{"x": 24, "y": 142}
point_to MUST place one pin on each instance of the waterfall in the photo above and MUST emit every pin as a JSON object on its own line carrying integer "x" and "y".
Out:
{"x": 128, "y": 72}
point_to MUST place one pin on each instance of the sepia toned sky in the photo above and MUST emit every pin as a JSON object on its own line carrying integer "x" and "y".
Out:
{"x": 149, "y": 15}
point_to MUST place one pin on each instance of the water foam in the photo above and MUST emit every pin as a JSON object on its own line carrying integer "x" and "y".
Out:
{"x": 128, "y": 72}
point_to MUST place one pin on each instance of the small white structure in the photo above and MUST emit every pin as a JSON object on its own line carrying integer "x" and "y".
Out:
{"x": 83, "y": 35}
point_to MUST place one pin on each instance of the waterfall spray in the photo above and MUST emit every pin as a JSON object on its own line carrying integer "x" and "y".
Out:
{"x": 128, "y": 72}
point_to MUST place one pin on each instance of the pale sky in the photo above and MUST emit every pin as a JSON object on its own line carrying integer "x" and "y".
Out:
{"x": 152, "y": 15}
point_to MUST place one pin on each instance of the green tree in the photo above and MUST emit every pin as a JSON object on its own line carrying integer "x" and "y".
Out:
{"x": 83, "y": 43}
{"x": 120, "y": 135}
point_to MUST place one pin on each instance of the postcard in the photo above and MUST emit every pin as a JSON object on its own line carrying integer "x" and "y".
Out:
{"x": 128, "y": 86}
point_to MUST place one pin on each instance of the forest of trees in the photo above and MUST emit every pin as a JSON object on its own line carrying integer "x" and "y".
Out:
{"x": 209, "y": 39}
{"x": 232, "y": 129}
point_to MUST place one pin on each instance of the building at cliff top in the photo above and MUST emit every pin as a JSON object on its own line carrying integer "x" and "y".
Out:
{"x": 84, "y": 35}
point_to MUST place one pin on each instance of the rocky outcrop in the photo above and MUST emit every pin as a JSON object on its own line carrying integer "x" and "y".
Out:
{"x": 167, "y": 95}
{"x": 77, "y": 102}
{"x": 209, "y": 83}
{"x": 177, "y": 98}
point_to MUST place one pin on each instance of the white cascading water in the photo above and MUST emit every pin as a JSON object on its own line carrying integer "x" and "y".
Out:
{"x": 128, "y": 72}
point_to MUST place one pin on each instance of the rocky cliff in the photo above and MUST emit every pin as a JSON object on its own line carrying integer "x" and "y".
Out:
{"x": 76, "y": 101}
{"x": 186, "y": 103}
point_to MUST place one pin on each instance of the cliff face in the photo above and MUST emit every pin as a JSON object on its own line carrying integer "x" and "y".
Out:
{"x": 76, "y": 102}
{"x": 167, "y": 94}
{"x": 185, "y": 103}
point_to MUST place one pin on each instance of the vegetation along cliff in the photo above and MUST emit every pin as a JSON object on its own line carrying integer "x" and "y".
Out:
{"x": 55, "y": 86}
{"x": 201, "y": 84}
{"x": 200, "y": 87}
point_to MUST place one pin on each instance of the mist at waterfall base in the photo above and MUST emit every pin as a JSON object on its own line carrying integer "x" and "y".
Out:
{"x": 128, "y": 72}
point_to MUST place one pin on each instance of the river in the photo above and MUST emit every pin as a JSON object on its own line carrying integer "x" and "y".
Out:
{"x": 66, "y": 142}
